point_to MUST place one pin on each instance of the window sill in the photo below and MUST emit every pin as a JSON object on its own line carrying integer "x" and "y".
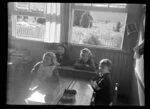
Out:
{"x": 102, "y": 48}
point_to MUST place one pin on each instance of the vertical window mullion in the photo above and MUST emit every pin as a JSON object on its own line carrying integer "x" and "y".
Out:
{"x": 47, "y": 35}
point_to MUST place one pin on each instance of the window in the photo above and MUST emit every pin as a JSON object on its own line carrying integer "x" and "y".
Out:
{"x": 36, "y": 21}
{"x": 98, "y": 28}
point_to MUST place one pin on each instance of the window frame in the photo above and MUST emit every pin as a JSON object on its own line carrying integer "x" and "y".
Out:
{"x": 91, "y": 8}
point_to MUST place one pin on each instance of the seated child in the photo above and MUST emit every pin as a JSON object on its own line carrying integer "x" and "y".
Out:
{"x": 44, "y": 75}
{"x": 61, "y": 55}
{"x": 101, "y": 84}
{"x": 86, "y": 61}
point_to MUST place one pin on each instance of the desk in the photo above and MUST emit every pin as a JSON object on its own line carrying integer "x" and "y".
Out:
{"x": 70, "y": 71}
{"x": 70, "y": 68}
{"x": 84, "y": 92}
{"x": 82, "y": 86}
{"x": 54, "y": 94}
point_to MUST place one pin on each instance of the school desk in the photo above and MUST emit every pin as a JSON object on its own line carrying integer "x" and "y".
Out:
{"x": 76, "y": 73}
{"x": 82, "y": 86}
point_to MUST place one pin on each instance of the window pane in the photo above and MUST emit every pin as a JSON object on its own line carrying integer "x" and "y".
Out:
{"x": 38, "y": 7}
{"x": 117, "y": 5}
{"x": 22, "y": 6}
{"x": 103, "y": 29}
{"x": 31, "y": 7}
{"x": 30, "y": 27}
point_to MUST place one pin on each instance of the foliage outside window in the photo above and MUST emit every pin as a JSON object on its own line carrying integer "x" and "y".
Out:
{"x": 98, "y": 28}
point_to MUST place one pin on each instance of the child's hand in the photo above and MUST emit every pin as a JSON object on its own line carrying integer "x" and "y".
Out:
{"x": 94, "y": 84}
{"x": 97, "y": 88}
{"x": 57, "y": 63}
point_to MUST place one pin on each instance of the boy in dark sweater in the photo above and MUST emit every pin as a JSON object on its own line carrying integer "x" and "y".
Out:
{"x": 101, "y": 84}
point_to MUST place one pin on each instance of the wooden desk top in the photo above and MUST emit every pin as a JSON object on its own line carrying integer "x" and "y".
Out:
{"x": 82, "y": 97}
{"x": 84, "y": 93}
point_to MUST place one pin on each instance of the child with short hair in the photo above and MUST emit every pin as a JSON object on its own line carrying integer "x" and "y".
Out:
{"x": 101, "y": 84}
{"x": 61, "y": 55}
{"x": 86, "y": 61}
{"x": 44, "y": 75}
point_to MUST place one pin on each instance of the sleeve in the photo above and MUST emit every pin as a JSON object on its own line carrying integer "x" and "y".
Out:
{"x": 34, "y": 70}
{"x": 106, "y": 87}
{"x": 56, "y": 74}
{"x": 94, "y": 79}
{"x": 92, "y": 65}
{"x": 110, "y": 89}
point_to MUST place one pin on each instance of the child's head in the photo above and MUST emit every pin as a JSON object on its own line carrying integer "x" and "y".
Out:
{"x": 105, "y": 65}
{"x": 49, "y": 58}
{"x": 61, "y": 49}
{"x": 85, "y": 54}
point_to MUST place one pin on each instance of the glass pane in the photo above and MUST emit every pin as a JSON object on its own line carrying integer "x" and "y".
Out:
{"x": 100, "y": 5}
{"x": 117, "y": 5}
{"x": 38, "y": 7}
{"x": 22, "y": 6}
{"x": 104, "y": 29}
{"x": 31, "y": 7}
{"x": 30, "y": 27}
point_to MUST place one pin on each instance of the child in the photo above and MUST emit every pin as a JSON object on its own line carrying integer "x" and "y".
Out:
{"x": 44, "y": 75}
{"x": 101, "y": 84}
{"x": 85, "y": 61}
{"x": 61, "y": 55}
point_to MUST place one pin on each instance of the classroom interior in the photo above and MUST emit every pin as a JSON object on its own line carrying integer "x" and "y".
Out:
{"x": 28, "y": 42}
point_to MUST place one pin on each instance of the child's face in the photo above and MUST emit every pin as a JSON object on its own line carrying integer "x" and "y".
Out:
{"x": 47, "y": 60}
{"x": 85, "y": 57}
{"x": 104, "y": 69}
{"x": 61, "y": 50}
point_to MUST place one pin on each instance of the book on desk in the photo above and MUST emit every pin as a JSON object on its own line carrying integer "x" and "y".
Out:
{"x": 68, "y": 96}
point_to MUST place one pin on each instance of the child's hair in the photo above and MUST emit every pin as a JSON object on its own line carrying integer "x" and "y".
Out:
{"x": 105, "y": 62}
{"x": 63, "y": 45}
{"x": 86, "y": 50}
{"x": 53, "y": 56}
